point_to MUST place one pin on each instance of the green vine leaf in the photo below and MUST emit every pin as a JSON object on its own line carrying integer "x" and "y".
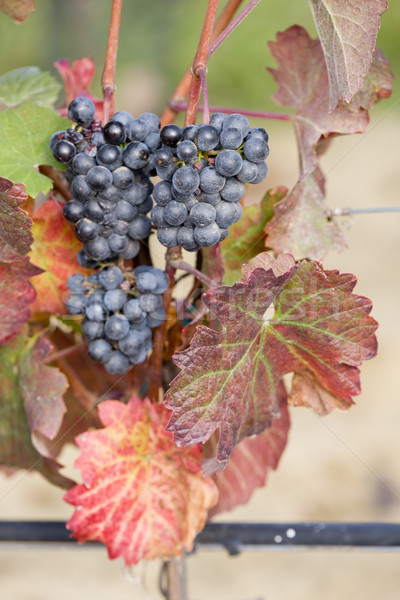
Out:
{"x": 28, "y": 84}
{"x": 348, "y": 33}
{"x": 230, "y": 378}
{"x": 24, "y": 145}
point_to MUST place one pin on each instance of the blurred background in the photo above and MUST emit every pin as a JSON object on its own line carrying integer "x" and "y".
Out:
{"x": 341, "y": 468}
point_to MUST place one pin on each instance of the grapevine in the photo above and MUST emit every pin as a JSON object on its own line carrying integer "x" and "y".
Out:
{"x": 175, "y": 390}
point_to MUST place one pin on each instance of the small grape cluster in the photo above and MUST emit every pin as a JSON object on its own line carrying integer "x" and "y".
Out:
{"x": 119, "y": 313}
{"x": 108, "y": 171}
{"x": 204, "y": 169}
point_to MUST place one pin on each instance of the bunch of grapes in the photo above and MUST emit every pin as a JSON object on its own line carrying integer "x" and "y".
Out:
{"x": 204, "y": 169}
{"x": 118, "y": 313}
{"x": 108, "y": 171}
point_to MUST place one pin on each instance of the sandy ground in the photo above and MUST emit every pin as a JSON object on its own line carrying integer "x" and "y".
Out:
{"x": 340, "y": 468}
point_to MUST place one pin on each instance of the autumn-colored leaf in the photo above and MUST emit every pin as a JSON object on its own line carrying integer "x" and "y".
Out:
{"x": 303, "y": 83}
{"x": 15, "y": 225}
{"x": 348, "y": 33}
{"x": 247, "y": 237}
{"x": 18, "y": 10}
{"x": 16, "y": 294}
{"x": 250, "y": 461}
{"x": 54, "y": 250}
{"x": 377, "y": 83}
{"x": 16, "y": 446}
{"x": 229, "y": 378}
{"x": 42, "y": 388}
{"x": 77, "y": 81}
{"x": 141, "y": 496}
{"x": 300, "y": 224}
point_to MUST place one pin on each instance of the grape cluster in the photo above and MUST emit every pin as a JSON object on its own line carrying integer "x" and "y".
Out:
{"x": 108, "y": 171}
{"x": 118, "y": 313}
{"x": 204, "y": 169}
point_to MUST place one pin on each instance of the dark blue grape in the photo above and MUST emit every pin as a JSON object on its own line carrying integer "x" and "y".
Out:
{"x": 86, "y": 230}
{"x": 255, "y": 149}
{"x": 153, "y": 142}
{"x": 202, "y": 214}
{"x": 262, "y": 169}
{"x": 81, "y": 163}
{"x": 175, "y": 213}
{"x": 64, "y": 151}
{"x": 186, "y": 239}
{"x": 81, "y": 110}
{"x": 136, "y": 155}
{"x": 138, "y": 130}
{"x": 207, "y": 236}
{"x": 100, "y": 350}
{"x": 114, "y": 300}
{"x": 80, "y": 189}
{"x": 150, "y": 302}
{"x": 166, "y": 173}
{"x": 237, "y": 121}
{"x": 109, "y": 156}
{"x": 76, "y": 303}
{"x": 248, "y": 172}
{"x": 99, "y": 178}
{"x": 233, "y": 190}
{"x": 161, "y": 277}
{"x": 227, "y": 213}
{"x": 228, "y": 163}
{"x": 156, "y": 318}
{"x": 96, "y": 311}
{"x": 231, "y": 138}
{"x": 212, "y": 199}
{"x": 123, "y": 177}
{"x": 211, "y": 181}
{"x": 186, "y": 180}
{"x": 135, "y": 194}
{"x": 157, "y": 216}
{"x": 93, "y": 211}
{"x": 85, "y": 261}
{"x": 170, "y": 135}
{"x": 131, "y": 250}
{"x": 117, "y": 243}
{"x": 145, "y": 206}
{"x": 258, "y": 132}
{"x": 116, "y": 327}
{"x": 145, "y": 281}
{"x": 111, "y": 277}
{"x": 114, "y": 132}
{"x": 117, "y": 364}
{"x": 92, "y": 329}
{"x": 124, "y": 117}
{"x": 75, "y": 283}
{"x": 125, "y": 211}
{"x": 140, "y": 227}
{"x": 132, "y": 310}
{"x": 217, "y": 120}
{"x": 73, "y": 211}
{"x": 98, "y": 139}
{"x": 167, "y": 236}
{"x": 206, "y": 138}
{"x": 163, "y": 157}
{"x": 151, "y": 120}
{"x": 187, "y": 151}
{"x": 97, "y": 249}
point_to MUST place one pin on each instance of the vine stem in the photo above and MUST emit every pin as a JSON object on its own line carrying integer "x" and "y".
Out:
{"x": 204, "y": 90}
{"x": 63, "y": 353}
{"x": 182, "y": 89}
{"x": 58, "y": 185}
{"x": 184, "y": 266}
{"x": 108, "y": 76}
{"x": 156, "y": 360}
{"x": 344, "y": 211}
{"x": 232, "y": 26}
{"x": 200, "y": 62}
{"x": 181, "y": 106}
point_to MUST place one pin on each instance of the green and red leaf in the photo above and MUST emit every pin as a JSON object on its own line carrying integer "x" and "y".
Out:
{"x": 300, "y": 224}
{"x": 54, "y": 250}
{"x": 16, "y": 295}
{"x": 17, "y": 447}
{"x": 303, "y": 84}
{"x": 230, "y": 378}
{"x": 247, "y": 237}
{"x": 250, "y": 461}
{"x": 15, "y": 224}
{"x": 348, "y": 33}
{"x": 141, "y": 496}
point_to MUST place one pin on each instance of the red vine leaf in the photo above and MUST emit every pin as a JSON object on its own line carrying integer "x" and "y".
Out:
{"x": 229, "y": 378}
{"x": 16, "y": 294}
{"x": 348, "y": 33}
{"x": 16, "y": 445}
{"x": 18, "y": 10}
{"x": 303, "y": 83}
{"x": 250, "y": 461}
{"x": 15, "y": 224}
{"x": 141, "y": 496}
{"x": 300, "y": 224}
{"x": 54, "y": 250}
{"x": 42, "y": 388}
{"x": 77, "y": 81}
{"x": 247, "y": 237}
